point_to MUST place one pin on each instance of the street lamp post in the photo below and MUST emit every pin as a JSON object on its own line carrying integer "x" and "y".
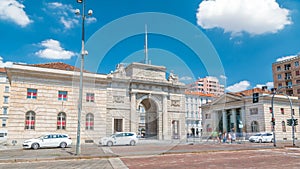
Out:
{"x": 273, "y": 118}
{"x": 83, "y": 53}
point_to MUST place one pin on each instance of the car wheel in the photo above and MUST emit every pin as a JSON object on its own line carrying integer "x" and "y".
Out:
{"x": 260, "y": 141}
{"x": 132, "y": 142}
{"x": 35, "y": 146}
{"x": 271, "y": 140}
{"x": 63, "y": 145}
{"x": 109, "y": 144}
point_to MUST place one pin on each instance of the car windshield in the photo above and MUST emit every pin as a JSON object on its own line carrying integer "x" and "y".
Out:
{"x": 257, "y": 134}
{"x": 42, "y": 136}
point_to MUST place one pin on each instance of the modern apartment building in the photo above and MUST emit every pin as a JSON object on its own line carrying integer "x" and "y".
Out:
{"x": 286, "y": 76}
{"x": 208, "y": 85}
{"x": 193, "y": 103}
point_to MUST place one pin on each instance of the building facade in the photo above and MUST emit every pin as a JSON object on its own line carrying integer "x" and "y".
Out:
{"x": 236, "y": 111}
{"x": 286, "y": 76}
{"x": 43, "y": 99}
{"x": 207, "y": 85}
{"x": 4, "y": 103}
{"x": 194, "y": 101}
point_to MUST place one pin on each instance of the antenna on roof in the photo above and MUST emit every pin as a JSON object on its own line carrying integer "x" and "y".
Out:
{"x": 146, "y": 45}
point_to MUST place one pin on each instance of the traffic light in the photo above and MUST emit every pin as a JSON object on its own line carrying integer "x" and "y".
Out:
{"x": 289, "y": 122}
{"x": 255, "y": 97}
{"x": 295, "y": 122}
{"x": 273, "y": 121}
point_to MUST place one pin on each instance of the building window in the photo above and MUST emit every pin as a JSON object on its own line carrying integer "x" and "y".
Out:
{"x": 207, "y": 116}
{"x": 61, "y": 121}
{"x": 296, "y": 63}
{"x": 118, "y": 125}
{"x": 62, "y": 95}
{"x": 254, "y": 126}
{"x": 3, "y": 122}
{"x": 297, "y": 73}
{"x": 298, "y": 81}
{"x": 4, "y": 110}
{"x": 293, "y": 112}
{"x": 5, "y": 99}
{"x": 90, "y": 97}
{"x": 283, "y": 126}
{"x": 279, "y": 76}
{"x": 278, "y": 68}
{"x": 279, "y": 84}
{"x": 282, "y": 110}
{"x": 298, "y": 91}
{"x": 30, "y": 120}
{"x": 253, "y": 111}
{"x": 89, "y": 122}
{"x": 31, "y": 93}
{"x": 6, "y": 89}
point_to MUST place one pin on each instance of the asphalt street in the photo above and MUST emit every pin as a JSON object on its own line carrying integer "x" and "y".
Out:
{"x": 156, "y": 154}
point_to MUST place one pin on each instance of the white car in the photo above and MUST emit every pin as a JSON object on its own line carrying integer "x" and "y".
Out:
{"x": 261, "y": 137}
{"x": 48, "y": 140}
{"x": 120, "y": 138}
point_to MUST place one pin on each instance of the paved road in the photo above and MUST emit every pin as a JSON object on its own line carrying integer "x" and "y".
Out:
{"x": 265, "y": 158}
{"x": 155, "y": 155}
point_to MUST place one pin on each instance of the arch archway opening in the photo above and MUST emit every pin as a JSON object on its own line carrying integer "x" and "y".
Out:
{"x": 148, "y": 119}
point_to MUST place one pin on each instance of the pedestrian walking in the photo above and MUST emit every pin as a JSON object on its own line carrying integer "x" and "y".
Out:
{"x": 224, "y": 136}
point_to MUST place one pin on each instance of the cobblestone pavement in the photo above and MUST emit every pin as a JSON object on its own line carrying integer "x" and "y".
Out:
{"x": 60, "y": 164}
{"x": 256, "y": 159}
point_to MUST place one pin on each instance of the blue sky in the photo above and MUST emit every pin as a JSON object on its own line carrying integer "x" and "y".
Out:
{"x": 234, "y": 40}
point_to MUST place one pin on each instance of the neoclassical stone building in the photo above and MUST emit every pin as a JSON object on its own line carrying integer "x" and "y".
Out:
{"x": 237, "y": 111}
{"x": 44, "y": 97}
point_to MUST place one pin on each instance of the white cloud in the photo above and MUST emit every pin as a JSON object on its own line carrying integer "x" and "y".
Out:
{"x": 66, "y": 13}
{"x": 90, "y": 20}
{"x": 68, "y": 23}
{"x": 13, "y": 11}
{"x": 285, "y": 58}
{"x": 243, "y": 85}
{"x": 237, "y": 16}
{"x": 185, "y": 78}
{"x": 5, "y": 64}
{"x": 223, "y": 77}
{"x": 270, "y": 85}
{"x": 53, "y": 50}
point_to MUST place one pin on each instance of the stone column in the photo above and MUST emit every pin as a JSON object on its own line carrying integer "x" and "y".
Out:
{"x": 234, "y": 119}
{"x": 165, "y": 118}
{"x": 243, "y": 116}
{"x": 224, "y": 118}
{"x": 215, "y": 120}
{"x": 133, "y": 120}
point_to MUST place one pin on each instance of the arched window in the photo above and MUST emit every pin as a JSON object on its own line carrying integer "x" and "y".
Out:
{"x": 30, "y": 120}
{"x": 61, "y": 121}
{"x": 283, "y": 126}
{"x": 89, "y": 122}
{"x": 254, "y": 126}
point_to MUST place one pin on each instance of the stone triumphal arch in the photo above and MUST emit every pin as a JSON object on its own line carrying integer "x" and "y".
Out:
{"x": 142, "y": 99}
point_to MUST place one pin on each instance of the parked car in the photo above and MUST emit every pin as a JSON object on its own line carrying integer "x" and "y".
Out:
{"x": 261, "y": 137}
{"x": 48, "y": 140}
{"x": 120, "y": 138}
